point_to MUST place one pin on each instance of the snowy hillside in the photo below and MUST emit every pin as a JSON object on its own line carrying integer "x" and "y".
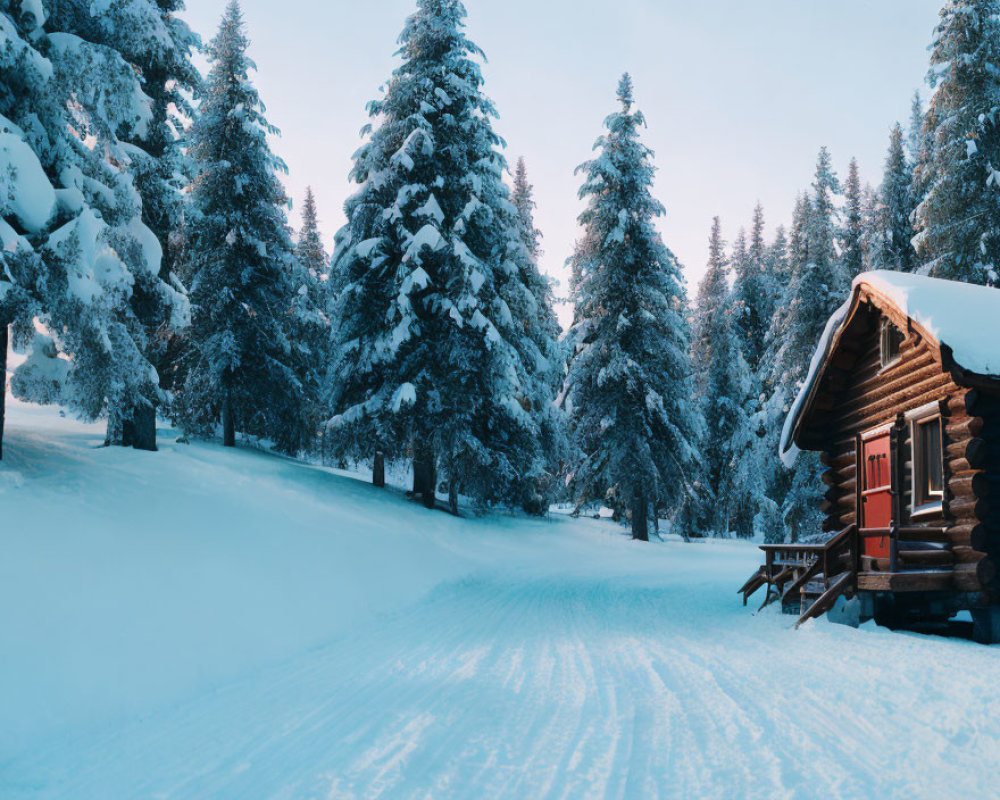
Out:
{"x": 259, "y": 628}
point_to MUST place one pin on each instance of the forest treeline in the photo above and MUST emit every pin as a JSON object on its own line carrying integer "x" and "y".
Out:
{"x": 148, "y": 269}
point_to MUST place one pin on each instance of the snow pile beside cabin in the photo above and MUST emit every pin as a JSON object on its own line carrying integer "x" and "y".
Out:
{"x": 963, "y": 317}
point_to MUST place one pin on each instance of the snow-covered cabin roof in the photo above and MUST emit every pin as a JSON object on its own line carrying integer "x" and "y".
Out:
{"x": 960, "y": 320}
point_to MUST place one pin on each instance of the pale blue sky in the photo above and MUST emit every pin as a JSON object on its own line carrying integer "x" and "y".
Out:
{"x": 739, "y": 95}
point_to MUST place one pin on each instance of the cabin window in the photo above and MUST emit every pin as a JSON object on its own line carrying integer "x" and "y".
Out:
{"x": 928, "y": 462}
{"x": 891, "y": 341}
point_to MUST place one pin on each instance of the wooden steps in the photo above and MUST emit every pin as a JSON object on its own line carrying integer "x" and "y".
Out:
{"x": 817, "y": 573}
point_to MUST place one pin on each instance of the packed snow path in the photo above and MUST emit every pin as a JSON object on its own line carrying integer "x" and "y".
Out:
{"x": 268, "y": 630}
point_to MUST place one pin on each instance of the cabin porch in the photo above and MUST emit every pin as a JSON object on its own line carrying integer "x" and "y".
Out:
{"x": 920, "y": 580}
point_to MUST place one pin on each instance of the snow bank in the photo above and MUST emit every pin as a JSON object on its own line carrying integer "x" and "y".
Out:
{"x": 960, "y": 316}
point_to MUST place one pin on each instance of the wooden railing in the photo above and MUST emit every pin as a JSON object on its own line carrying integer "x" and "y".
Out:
{"x": 835, "y": 562}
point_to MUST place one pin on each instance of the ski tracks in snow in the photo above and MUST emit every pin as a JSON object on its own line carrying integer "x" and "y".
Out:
{"x": 571, "y": 686}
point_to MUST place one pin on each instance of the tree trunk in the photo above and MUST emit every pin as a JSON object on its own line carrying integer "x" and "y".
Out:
{"x": 424, "y": 476}
{"x": 378, "y": 473}
{"x": 144, "y": 428}
{"x": 128, "y": 431}
{"x": 656, "y": 518}
{"x": 3, "y": 377}
{"x": 228, "y": 425}
{"x": 640, "y": 517}
{"x": 453, "y": 496}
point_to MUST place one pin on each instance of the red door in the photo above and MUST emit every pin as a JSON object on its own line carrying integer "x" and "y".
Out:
{"x": 876, "y": 495}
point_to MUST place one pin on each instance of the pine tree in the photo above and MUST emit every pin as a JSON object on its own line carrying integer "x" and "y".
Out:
{"x": 816, "y": 292}
{"x": 953, "y": 218}
{"x": 752, "y": 291}
{"x": 896, "y": 206}
{"x": 787, "y": 501}
{"x": 152, "y": 36}
{"x": 777, "y": 264}
{"x": 74, "y": 242}
{"x": 311, "y": 253}
{"x": 853, "y": 230}
{"x": 427, "y": 357}
{"x": 920, "y": 151}
{"x": 629, "y": 382}
{"x": 874, "y": 232}
{"x": 764, "y": 485}
{"x": 242, "y": 360}
{"x": 721, "y": 381}
{"x": 538, "y": 346}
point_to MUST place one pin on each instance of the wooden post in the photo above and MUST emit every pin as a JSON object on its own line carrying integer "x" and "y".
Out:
{"x": 896, "y": 478}
{"x": 378, "y": 472}
{"x": 640, "y": 517}
{"x": 4, "y": 339}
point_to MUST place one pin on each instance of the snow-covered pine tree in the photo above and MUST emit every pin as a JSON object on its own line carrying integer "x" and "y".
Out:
{"x": 539, "y": 347}
{"x": 151, "y": 35}
{"x": 242, "y": 360}
{"x": 630, "y": 380}
{"x": 818, "y": 289}
{"x": 777, "y": 264}
{"x": 753, "y": 291}
{"x": 896, "y": 206}
{"x": 75, "y": 246}
{"x": 873, "y": 229}
{"x": 757, "y": 470}
{"x": 852, "y": 232}
{"x": 952, "y": 218}
{"x": 309, "y": 327}
{"x": 311, "y": 253}
{"x": 426, "y": 362}
{"x": 919, "y": 138}
{"x": 721, "y": 382}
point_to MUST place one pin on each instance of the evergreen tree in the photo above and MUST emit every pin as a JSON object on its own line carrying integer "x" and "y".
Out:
{"x": 311, "y": 253}
{"x": 816, "y": 292}
{"x": 629, "y": 382}
{"x": 74, "y": 245}
{"x": 243, "y": 360}
{"x": 873, "y": 230}
{"x": 896, "y": 206}
{"x": 920, "y": 150}
{"x": 777, "y": 264}
{"x": 721, "y": 381}
{"x": 853, "y": 230}
{"x": 539, "y": 347}
{"x": 953, "y": 217}
{"x": 152, "y": 36}
{"x": 752, "y": 291}
{"x": 428, "y": 357}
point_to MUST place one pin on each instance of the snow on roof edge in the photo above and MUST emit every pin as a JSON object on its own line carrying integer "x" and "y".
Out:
{"x": 787, "y": 449}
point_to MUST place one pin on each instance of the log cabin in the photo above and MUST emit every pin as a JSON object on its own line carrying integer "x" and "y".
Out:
{"x": 902, "y": 402}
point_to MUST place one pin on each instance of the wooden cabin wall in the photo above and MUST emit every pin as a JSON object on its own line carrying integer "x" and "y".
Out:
{"x": 858, "y": 396}
{"x": 976, "y": 460}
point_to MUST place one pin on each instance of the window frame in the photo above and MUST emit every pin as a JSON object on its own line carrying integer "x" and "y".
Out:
{"x": 885, "y": 329}
{"x": 933, "y": 502}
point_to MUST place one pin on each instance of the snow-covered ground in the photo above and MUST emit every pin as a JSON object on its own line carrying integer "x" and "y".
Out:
{"x": 206, "y": 624}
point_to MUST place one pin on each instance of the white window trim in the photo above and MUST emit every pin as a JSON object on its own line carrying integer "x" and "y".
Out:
{"x": 915, "y": 419}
